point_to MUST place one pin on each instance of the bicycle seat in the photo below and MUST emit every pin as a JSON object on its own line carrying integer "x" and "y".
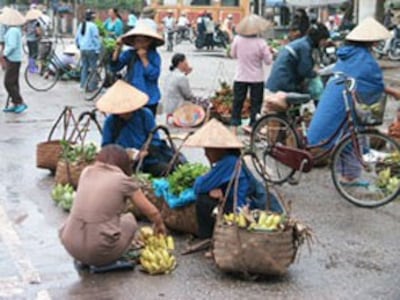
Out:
{"x": 297, "y": 98}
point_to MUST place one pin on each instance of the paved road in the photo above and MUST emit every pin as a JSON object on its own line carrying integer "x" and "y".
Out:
{"x": 356, "y": 255}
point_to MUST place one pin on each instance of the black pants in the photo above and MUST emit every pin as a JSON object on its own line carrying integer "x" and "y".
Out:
{"x": 204, "y": 207}
{"x": 33, "y": 49}
{"x": 239, "y": 95}
{"x": 209, "y": 40}
{"x": 11, "y": 81}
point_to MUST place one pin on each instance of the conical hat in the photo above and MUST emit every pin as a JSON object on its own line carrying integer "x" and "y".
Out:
{"x": 189, "y": 115}
{"x": 33, "y": 14}
{"x": 213, "y": 135}
{"x": 252, "y": 25}
{"x": 142, "y": 30}
{"x": 369, "y": 30}
{"x": 11, "y": 17}
{"x": 121, "y": 98}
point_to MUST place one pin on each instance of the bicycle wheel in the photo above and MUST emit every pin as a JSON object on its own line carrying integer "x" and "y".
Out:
{"x": 95, "y": 83}
{"x": 268, "y": 131}
{"x": 44, "y": 78}
{"x": 366, "y": 171}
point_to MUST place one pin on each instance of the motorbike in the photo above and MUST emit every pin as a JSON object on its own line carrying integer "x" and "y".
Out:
{"x": 389, "y": 47}
{"x": 220, "y": 39}
{"x": 184, "y": 34}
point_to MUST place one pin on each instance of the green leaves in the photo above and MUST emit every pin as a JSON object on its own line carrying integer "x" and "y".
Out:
{"x": 78, "y": 153}
{"x": 184, "y": 176}
{"x": 63, "y": 196}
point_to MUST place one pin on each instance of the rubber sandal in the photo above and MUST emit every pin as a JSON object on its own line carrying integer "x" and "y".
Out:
{"x": 9, "y": 109}
{"x": 20, "y": 108}
{"x": 80, "y": 267}
{"x": 355, "y": 183}
{"x": 119, "y": 265}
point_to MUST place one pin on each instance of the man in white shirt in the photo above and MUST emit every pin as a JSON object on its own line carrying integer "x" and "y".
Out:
{"x": 169, "y": 26}
{"x": 183, "y": 25}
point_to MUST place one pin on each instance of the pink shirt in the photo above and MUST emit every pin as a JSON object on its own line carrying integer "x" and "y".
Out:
{"x": 250, "y": 52}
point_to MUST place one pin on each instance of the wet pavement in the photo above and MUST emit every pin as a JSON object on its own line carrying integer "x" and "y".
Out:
{"x": 355, "y": 256}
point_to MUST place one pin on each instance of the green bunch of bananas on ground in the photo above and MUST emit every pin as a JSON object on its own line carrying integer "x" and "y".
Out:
{"x": 156, "y": 257}
{"x": 388, "y": 182}
{"x": 256, "y": 220}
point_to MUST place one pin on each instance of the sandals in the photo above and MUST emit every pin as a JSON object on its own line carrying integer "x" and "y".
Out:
{"x": 355, "y": 183}
{"x": 119, "y": 265}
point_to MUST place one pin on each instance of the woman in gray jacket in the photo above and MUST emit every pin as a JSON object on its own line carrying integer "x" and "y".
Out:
{"x": 177, "y": 88}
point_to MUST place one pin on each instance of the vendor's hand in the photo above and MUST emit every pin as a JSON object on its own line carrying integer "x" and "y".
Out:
{"x": 396, "y": 94}
{"x": 142, "y": 53}
{"x": 216, "y": 193}
{"x": 119, "y": 43}
{"x": 160, "y": 228}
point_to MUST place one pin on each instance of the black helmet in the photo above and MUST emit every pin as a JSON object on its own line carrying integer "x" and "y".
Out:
{"x": 89, "y": 14}
{"x": 318, "y": 32}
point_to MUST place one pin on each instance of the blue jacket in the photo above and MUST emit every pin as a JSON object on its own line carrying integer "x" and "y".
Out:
{"x": 357, "y": 62}
{"x": 292, "y": 67}
{"x": 116, "y": 28}
{"x": 13, "y": 44}
{"x": 90, "y": 40}
{"x": 249, "y": 188}
{"x": 143, "y": 78}
{"x": 134, "y": 132}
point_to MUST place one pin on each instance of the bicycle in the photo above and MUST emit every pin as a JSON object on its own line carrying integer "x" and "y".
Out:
{"x": 50, "y": 70}
{"x": 358, "y": 151}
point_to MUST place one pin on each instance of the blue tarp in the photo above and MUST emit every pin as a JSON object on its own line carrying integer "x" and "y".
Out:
{"x": 161, "y": 189}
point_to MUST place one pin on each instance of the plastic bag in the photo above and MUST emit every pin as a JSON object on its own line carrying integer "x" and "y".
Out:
{"x": 161, "y": 189}
{"x": 315, "y": 88}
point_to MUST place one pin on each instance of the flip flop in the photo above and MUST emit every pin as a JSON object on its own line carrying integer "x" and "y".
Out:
{"x": 355, "y": 183}
{"x": 119, "y": 265}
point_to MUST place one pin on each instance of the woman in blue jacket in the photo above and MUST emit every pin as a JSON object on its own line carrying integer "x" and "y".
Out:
{"x": 129, "y": 125}
{"x": 357, "y": 61}
{"x": 88, "y": 41}
{"x": 224, "y": 155}
{"x": 143, "y": 62}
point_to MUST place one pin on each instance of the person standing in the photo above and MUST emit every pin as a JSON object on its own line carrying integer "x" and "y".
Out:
{"x": 147, "y": 17}
{"x": 143, "y": 61}
{"x": 88, "y": 41}
{"x": 210, "y": 29}
{"x": 114, "y": 24}
{"x": 13, "y": 56}
{"x": 169, "y": 29}
{"x": 132, "y": 20}
{"x": 251, "y": 52}
{"x": 33, "y": 34}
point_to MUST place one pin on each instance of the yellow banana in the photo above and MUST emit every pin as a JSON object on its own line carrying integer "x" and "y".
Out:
{"x": 170, "y": 243}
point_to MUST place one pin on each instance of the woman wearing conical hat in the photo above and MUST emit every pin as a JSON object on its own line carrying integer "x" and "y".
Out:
{"x": 143, "y": 61}
{"x": 222, "y": 149}
{"x": 355, "y": 60}
{"x": 129, "y": 124}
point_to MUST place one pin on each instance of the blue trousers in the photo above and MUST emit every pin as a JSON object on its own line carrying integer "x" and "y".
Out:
{"x": 89, "y": 63}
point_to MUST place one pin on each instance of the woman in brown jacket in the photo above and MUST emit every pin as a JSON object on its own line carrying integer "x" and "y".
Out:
{"x": 97, "y": 232}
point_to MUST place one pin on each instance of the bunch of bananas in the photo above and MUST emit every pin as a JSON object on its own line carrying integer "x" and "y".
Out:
{"x": 156, "y": 258}
{"x": 256, "y": 220}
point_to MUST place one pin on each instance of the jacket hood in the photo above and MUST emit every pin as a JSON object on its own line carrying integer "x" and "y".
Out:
{"x": 347, "y": 52}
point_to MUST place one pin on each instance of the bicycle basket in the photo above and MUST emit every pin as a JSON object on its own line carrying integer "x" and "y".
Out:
{"x": 370, "y": 114}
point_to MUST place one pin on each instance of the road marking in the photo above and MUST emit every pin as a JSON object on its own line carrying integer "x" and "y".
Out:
{"x": 25, "y": 267}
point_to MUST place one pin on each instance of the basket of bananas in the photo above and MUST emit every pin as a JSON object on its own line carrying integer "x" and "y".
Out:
{"x": 156, "y": 256}
{"x": 257, "y": 242}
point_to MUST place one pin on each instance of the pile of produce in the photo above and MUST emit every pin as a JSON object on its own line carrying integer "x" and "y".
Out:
{"x": 370, "y": 113}
{"x": 156, "y": 257}
{"x": 256, "y": 220}
{"x": 101, "y": 27}
{"x": 388, "y": 178}
{"x": 184, "y": 176}
{"x": 78, "y": 153}
{"x": 222, "y": 101}
{"x": 63, "y": 196}
{"x": 109, "y": 44}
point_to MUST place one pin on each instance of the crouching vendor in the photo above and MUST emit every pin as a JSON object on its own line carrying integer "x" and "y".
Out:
{"x": 222, "y": 149}
{"x": 97, "y": 233}
{"x": 130, "y": 124}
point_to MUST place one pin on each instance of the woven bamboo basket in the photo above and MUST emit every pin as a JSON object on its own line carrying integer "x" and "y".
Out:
{"x": 181, "y": 219}
{"x": 240, "y": 251}
{"x": 148, "y": 191}
{"x": 69, "y": 172}
{"x": 48, "y": 154}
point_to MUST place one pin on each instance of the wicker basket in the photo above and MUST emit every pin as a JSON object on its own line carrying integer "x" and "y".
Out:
{"x": 69, "y": 172}
{"x": 148, "y": 191}
{"x": 240, "y": 251}
{"x": 182, "y": 219}
{"x": 48, "y": 154}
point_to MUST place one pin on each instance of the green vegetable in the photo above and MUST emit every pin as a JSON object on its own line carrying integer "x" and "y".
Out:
{"x": 109, "y": 44}
{"x": 78, "y": 153}
{"x": 63, "y": 195}
{"x": 184, "y": 176}
{"x": 101, "y": 27}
